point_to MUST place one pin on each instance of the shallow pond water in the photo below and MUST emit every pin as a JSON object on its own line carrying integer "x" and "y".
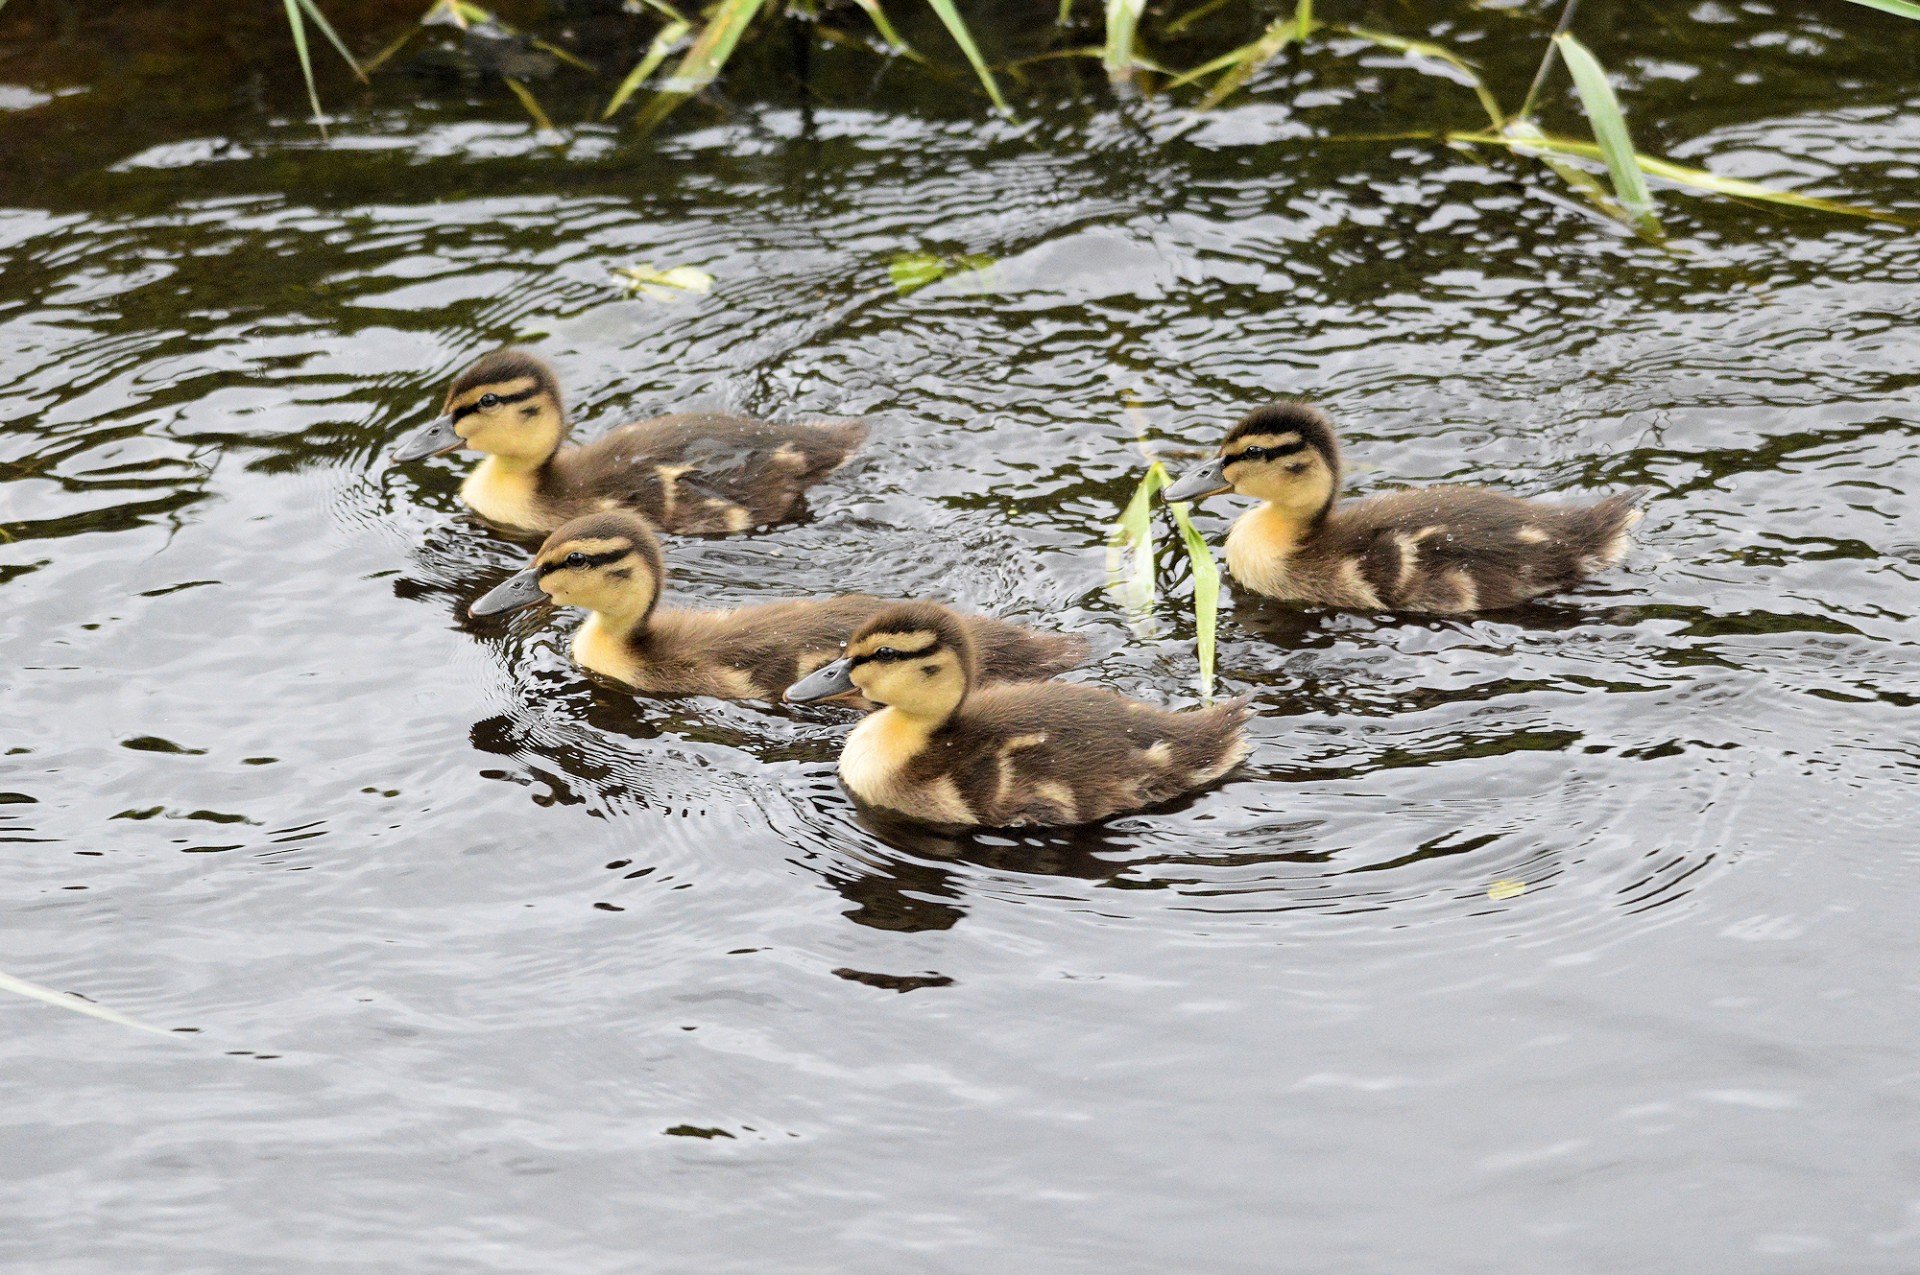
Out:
{"x": 490, "y": 967}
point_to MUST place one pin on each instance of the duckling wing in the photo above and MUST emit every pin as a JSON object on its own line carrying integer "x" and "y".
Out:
{"x": 1054, "y": 754}
{"x": 707, "y": 472}
{"x": 1461, "y": 549}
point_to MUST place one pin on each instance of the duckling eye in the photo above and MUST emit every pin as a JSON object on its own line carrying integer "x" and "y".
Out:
{"x": 575, "y": 560}
{"x": 886, "y": 653}
{"x": 492, "y": 401}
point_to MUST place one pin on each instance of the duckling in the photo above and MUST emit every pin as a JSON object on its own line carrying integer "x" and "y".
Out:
{"x": 611, "y": 565}
{"x": 1004, "y": 756}
{"x": 1443, "y": 550}
{"x": 696, "y": 473}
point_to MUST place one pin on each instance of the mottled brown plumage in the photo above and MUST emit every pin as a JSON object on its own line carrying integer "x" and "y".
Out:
{"x": 611, "y": 564}
{"x": 1437, "y": 549}
{"x": 1047, "y": 753}
{"x": 695, "y": 473}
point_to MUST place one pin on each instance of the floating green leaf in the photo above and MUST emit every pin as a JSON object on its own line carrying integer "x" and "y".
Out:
{"x": 657, "y": 52}
{"x": 665, "y": 285}
{"x": 77, "y": 1004}
{"x": 1206, "y": 591}
{"x": 1609, "y": 129}
{"x": 957, "y": 28}
{"x": 1123, "y": 25}
{"x": 912, "y": 271}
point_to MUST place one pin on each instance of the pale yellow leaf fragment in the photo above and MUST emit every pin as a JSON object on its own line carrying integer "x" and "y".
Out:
{"x": 1506, "y": 888}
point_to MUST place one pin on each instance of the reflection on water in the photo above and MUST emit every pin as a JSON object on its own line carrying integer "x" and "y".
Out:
{"x": 1498, "y": 906}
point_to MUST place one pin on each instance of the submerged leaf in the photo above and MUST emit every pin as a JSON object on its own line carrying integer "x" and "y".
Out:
{"x": 912, "y": 271}
{"x": 1609, "y": 129}
{"x": 1506, "y": 888}
{"x": 531, "y": 104}
{"x": 664, "y": 285}
{"x": 79, "y": 1006}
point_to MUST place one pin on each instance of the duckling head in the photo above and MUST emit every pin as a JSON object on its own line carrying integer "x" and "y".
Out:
{"x": 915, "y": 657}
{"x": 608, "y": 563}
{"x": 1285, "y": 454}
{"x": 507, "y": 404}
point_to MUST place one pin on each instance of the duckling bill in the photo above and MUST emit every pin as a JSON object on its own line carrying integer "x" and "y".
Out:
{"x": 1441, "y": 550}
{"x": 946, "y": 750}
{"x": 696, "y": 473}
{"x": 611, "y": 565}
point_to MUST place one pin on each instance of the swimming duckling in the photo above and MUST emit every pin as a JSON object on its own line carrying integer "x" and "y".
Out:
{"x": 611, "y": 565}
{"x": 1440, "y": 549}
{"x": 1003, "y": 756}
{"x": 691, "y": 472}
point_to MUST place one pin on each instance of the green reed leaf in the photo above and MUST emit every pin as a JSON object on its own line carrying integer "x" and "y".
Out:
{"x": 1609, "y": 129}
{"x": 1206, "y": 590}
{"x": 957, "y": 27}
{"x": 701, "y": 64}
{"x": 78, "y": 1005}
{"x": 299, "y": 24}
{"x": 1123, "y": 26}
{"x": 333, "y": 37}
{"x": 1248, "y": 58}
{"x": 663, "y": 42}
{"x": 878, "y": 17}
{"x": 1680, "y": 175}
{"x": 912, "y": 271}
{"x": 1905, "y": 8}
{"x": 531, "y": 104}
{"x": 1130, "y": 548}
{"x": 1439, "y": 53}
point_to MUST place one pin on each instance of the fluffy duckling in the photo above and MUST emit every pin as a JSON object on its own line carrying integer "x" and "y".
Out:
{"x": 1004, "y": 756}
{"x": 611, "y": 565}
{"x": 1446, "y": 550}
{"x": 696, "y": 473}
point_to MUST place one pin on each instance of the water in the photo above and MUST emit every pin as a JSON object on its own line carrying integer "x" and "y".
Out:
{"x": 488, "y": 967}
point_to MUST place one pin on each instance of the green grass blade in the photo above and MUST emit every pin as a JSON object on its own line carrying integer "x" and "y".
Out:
{"x": 571, "y": 59}
{"x": 326, "y": 29}
{"x": 299, "y": 25}
{"x": 1905, "y": 8}
{"x": 1439, "y": 53}
{"x": 1609, "y": 129}
{"x": 1123, "y": 27}
{"x": 527, "y": 100}
{"x": 1249, "y": 58}
{"x": 1192, "y": 16}
{"x": 657, "y": 52}
{"x": 878, "y": 17}
{"x": 79, "y": 1006}
{"x": 957, "y": 28}
{"x": 381, "y": 58}
{"x": 701, "y": 64}
{"x": 1680, "y": 175}
{"x": 1130, "y": 549}
{"x": 1206, "y": 593}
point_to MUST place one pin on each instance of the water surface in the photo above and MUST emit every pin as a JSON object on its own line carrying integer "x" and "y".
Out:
{"x": 491, "y": 967}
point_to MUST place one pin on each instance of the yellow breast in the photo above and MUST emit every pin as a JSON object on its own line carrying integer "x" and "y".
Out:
{"x": 1258, "y": 548}
{"x": 597, "y": 647}
{"x": 504, "y": 494}
{"x": 873, "y": 765}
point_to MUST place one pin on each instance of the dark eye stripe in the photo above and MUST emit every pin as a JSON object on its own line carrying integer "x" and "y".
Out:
{"x": 898, "y": 655}
{"x": 471, "y": 408}
{"x": 593, "y": 560}
{"x": 1267, "y": 453}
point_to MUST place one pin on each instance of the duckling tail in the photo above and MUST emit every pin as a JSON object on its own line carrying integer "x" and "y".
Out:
{"x": 1220, "y": 731}
{"x": 1608, "y": 524}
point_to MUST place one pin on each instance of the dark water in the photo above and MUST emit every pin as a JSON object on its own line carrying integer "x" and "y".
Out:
{"x": 493, "y": 968}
